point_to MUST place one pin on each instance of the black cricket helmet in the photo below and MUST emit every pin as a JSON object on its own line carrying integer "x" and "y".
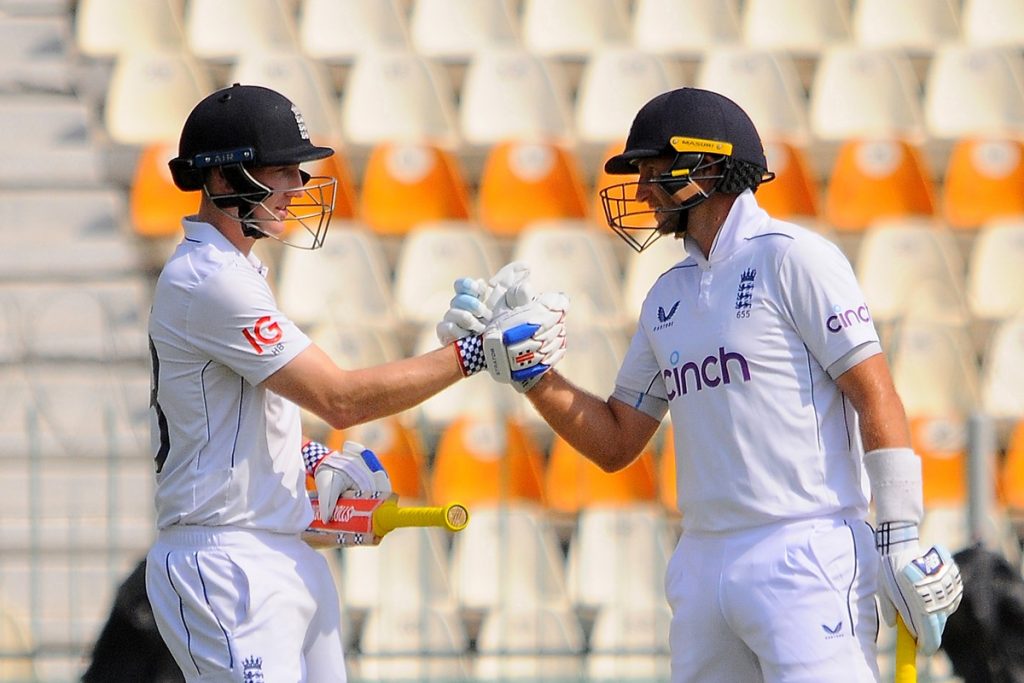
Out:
{"x": 246, "y": 126}
{"x": 707, "y": 136}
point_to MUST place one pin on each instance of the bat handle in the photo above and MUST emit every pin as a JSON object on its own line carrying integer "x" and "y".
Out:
{"x": 389, "y": 516}
{"x": 906, "y": 654}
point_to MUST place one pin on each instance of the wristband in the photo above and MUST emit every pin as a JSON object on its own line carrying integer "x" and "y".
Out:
{"x": 312, "y": 453}
{"x": 895, "y": 476}
{"x": 470, "y": 352}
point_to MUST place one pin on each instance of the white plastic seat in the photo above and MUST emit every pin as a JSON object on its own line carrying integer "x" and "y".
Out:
{"x": 765, "y": 83}
{"x": 150, "y": 95}
{"x": 221, "y": 30}
{"x": 800, "y": 26}
{"x": 993, "y": 22}
{"x": 865, "y": 92}
{"x": 573, "y": 28}
{"x": 341, "y": 30}
{"x": 1002, "y": 378}
{"x": 995, "y": 280}
{"x": 912, "y": 25}
{"x": 535, "y": 643}
{"x": 454, "y": 30}
{"x": 397, "y": 95}
{"x": 511, "y": 93}
{"x": 413, "y": 643}
{"x": 508, "y": 555}
{"x": 618, "y": 556}
{"x": 629, "y": 642}
{"x": 615, "y": 83}
{"x": 346, "y": 280}
{"x": 302, "y": 80}
{"x": 643, "y": 269}
{"x": 933, "y": 368}
{"x": 432, "y": 256}
{"x": 711, "y": 24}
{"x": 104, "y": 28}
{"x": 972, "y": 90}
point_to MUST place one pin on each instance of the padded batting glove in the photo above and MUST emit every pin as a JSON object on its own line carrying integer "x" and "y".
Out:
{"x": 522, "y": 344}
{"x": 476, "y": 301}
{"x": 925, "y": 588}
{"x": 354, "y": 468}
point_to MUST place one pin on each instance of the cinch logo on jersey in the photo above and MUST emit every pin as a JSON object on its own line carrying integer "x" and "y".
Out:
{"x": 710, "y": 372}
{"x": 841, "y": 319}
{"x": 666, "y": 318}
{"x": 264, "y": 335}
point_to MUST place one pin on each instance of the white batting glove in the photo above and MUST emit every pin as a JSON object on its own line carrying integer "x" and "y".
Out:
{"x": 925, "y": 588}
{"x": 522, "y": 344}
{"x": 476, "y": 301}
{"x": 354, "y": 468}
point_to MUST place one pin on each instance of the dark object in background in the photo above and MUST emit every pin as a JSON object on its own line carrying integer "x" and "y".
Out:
{"x": 129, "y": 647}
{"x": 984, "y": 638}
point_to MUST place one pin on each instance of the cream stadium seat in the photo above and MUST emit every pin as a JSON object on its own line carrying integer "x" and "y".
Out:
{"x": 534, "y": 643}
{"x": 799, "y": 26}
{"x": 995, "y": 281}
{"x": 105, "y": 28}
{"x": 643, "y": 269}
{"x": 993, "y": 22}
{"x": 916, "y": 26}
{"x": 222, "y": 30}
{"x": 1002, "y": 376}
{"x": 455, "y": 30}
{"x": 573, "y": 29}
{"x": 934, "y": 369}
{"x": 630, "y": 642}
{"x": 413, "y": 643}
{"x": 711, "y": 24}
{"x": 338, "y": 31}
{"x": 974, "y": 90}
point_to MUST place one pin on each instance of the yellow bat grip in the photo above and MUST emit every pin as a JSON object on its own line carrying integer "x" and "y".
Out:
{"x": 389, "y": 516}
{"x": 906, "y": 654}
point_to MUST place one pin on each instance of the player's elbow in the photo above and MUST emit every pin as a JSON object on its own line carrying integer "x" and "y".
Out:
{"x": 614, "y": 460}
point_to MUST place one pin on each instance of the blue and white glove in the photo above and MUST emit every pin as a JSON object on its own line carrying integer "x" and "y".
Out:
{"x": 476, "y": 301}
{"x": 924, "y": 587}
{"x": 353, "y": 468}
{"x": 522, "y": 344}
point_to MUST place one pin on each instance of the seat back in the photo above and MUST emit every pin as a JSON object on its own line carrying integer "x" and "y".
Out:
{"x": 983, "y": 181}
{"x": 572, "y": 482}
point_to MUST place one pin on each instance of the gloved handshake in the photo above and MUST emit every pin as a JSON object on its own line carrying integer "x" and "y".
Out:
{"x": 500, "y": 325}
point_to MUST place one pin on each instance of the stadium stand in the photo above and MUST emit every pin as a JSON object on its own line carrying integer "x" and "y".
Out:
{"x": 983, "y": 181}
{"x": 338, "y": 31}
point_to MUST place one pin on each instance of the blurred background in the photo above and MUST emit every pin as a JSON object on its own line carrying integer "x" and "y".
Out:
{"x": 468, "y": 133}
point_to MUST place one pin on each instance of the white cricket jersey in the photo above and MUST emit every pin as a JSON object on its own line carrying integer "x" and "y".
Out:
{"x": 738, "y": 345}
{"x": 227, "y": 449}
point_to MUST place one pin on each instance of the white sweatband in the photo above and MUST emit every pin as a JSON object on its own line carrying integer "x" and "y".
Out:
{"x": 895, "y": 476}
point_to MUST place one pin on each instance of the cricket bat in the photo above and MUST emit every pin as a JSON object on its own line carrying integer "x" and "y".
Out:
{"x": 906, "y": 654}
{"x": 366, "y": 520}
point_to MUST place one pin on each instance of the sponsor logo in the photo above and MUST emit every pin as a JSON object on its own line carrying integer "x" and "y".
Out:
{"x": 841, "y": 319}
{"x": 712, "y": 371}
{"x": 930, "y": 563}
{"x": 523, "y": 358}
{"x": 264, "y": 336}
{"x": 343, "y": 513}
{"x": 832, "y": 632}
{"x": 252, "y": 670}
{"x": 665, "y": 318}
{"x": 745, "y": 293}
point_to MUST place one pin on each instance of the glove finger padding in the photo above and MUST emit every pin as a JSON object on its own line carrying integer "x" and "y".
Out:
{"x": 355, "y": 467}
{"x": 511, "y": 276}
{"x": 467, "y": 314}
{"x": 925, "y": 589}
{"x": 526, "y": 342}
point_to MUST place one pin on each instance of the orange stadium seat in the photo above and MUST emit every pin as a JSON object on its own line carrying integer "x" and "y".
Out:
{"x": 572, "y": 482}
{"x": 873, "y": 179}
{"x": 941, "y": 444}
{"x": 523, "y": 182}
{"x": 406, "y": 184}
{"x": 155, "y": 204}
{"x": 984, "y": 180}
{"x": 603, "y": 180}
{"x": 482, "y": 460}
{"x": 400, "y": 452}
{"x": 794, "y": 191}
{"x": 1011, "y": 475}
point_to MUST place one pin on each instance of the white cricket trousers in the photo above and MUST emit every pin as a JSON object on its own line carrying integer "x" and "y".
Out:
{"x": 785, "y": 603}
{"x": 239, "y": 605}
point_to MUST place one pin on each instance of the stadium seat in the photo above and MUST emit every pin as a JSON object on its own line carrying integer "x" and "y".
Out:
{"x": 934, "y": 369}
{"x": 614, "y": 84}
{"x": 156, "y": 204}
{"x": 510, "y": 94}
{"x": 799, "y": 26}
{"x": 995, "y": 280}
{"x": 530, "y": 643}
{"x": 573, "y": 29}
{"x": 38, "y": 55}
{"x": 618, "y": 555}
{"x": 629, "y": 643}
{"x": 399, "y": 450}
{"x": 643, "y": 269}
{"x": 668, "y": 495}
{"x": 941, "y": 442}
{"x": 487, "y": 461}
{"x": 911, "y": 268}
{"x": 570, "y": 257}
{"x": 572, "y": 483}
{"x": 16, "y": 638}
{"x": 993, "y": 22}
{"x": 346, "y": 281}
{"x": 765, "y": 82}
{"x": 426, "y": 178}
{"x": 455, "y": 30}
{"x": 431, "y": 257}
{"x": 603, "y": 180}
{"x": 523, "y": 182}
{"x": 222, "y": 30}
{"x": 984, "y": 180}
{"x": 916, "y": 26}
{"x": 397, "y": 96}
{"x": 105, "y": 28}
{"x": 1002, "y": 378}
{"x": 338, "y": 31}
{"x": 402, "y": 643}
{"x": 861, "y": 92}
{"x": 794, "y": 192}
{"x": 508, "y": 555}
{"x": 877, "y": 179}
{"x": 972, "y": 90}
{"x": 151, "y": 93}
{"x": 1011, "y": 474}
{"x": 711, "y": 24}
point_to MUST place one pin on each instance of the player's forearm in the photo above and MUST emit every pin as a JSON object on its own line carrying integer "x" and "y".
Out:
{"x": 883, "y": 421}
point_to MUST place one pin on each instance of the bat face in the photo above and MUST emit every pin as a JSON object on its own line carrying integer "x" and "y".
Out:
{"x": 351, "y": 523}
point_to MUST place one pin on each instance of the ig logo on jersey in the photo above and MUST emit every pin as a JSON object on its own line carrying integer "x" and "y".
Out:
{"x": 264, "y": 335}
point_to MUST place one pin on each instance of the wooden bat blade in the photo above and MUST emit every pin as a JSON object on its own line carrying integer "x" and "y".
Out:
{"x": 906, "y": 654}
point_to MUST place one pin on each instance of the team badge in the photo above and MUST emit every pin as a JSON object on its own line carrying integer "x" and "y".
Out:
{"x": 252, "y": 670}
{"x": 745, "y": 292}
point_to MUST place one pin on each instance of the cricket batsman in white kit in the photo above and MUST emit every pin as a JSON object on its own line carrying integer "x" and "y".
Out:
{"x": 786, "y": 421}
{"x": 237, "y": 595}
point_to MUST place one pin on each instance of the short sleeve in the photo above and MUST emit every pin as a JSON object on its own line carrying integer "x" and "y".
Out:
{"x": 640, "y": 373}
{"x": 823, "y": 299}
{"x": 235, "y": 321}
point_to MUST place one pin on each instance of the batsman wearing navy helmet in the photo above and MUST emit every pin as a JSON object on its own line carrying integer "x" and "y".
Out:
{"x": 236, "y": 594}
{"x": 760, "y": 346}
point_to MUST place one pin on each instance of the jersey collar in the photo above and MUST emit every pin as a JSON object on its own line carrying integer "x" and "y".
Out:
{"x": 745, "y": 220}
{"x": 200, "y": 231}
